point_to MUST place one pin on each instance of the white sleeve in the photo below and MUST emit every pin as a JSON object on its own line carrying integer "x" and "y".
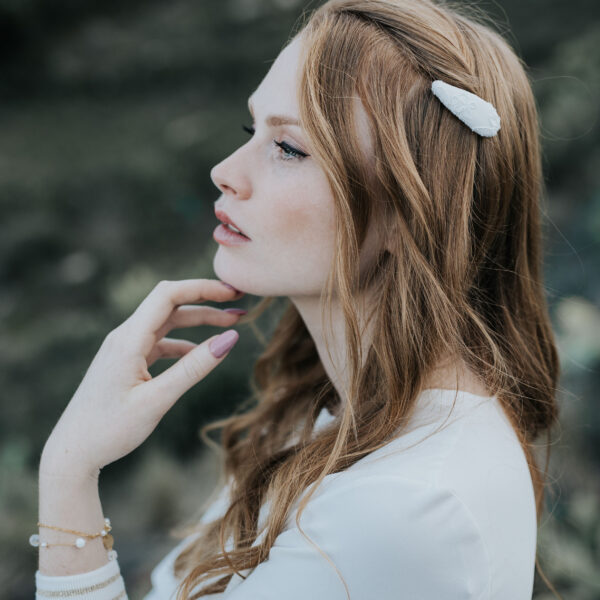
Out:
{"x": 103, "y": 583}
{"x": 390, "y": 538}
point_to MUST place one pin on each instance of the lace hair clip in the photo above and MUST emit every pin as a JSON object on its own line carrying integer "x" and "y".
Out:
{"x": 480, "y": 116}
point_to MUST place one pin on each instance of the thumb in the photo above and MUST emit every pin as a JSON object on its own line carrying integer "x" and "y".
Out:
{"x": 191, "y": 368}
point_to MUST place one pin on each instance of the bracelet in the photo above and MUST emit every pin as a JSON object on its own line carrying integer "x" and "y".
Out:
{"x": 107, "y": 538}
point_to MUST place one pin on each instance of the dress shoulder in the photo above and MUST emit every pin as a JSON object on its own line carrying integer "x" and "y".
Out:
{"x": 444, "y": 510}
{"x": 377, "y": 535}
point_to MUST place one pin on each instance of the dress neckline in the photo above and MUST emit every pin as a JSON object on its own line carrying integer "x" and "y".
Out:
{"x": 442, "y": 396}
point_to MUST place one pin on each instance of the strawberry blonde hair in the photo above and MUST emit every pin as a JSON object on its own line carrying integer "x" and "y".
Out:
{"x": 460, "y": 276}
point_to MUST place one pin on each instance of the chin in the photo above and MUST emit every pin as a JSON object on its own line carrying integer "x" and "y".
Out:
{"x": 234, "y": 271}
{"x": 226, "y": 269}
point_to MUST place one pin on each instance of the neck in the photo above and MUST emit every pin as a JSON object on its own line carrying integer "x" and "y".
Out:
{"x": 336, "y": 365}
{"x": 447, "y": 374}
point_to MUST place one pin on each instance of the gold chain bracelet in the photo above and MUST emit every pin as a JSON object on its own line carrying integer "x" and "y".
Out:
{"x": 80, "y": 542}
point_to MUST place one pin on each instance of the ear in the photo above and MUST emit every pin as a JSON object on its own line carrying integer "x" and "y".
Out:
{"x": 392, "y": 233}
{"x": 385, "y": 229}
{"x": 379, "y": 238}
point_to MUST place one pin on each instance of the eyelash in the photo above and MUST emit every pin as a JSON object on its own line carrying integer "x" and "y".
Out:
{"x": 289, "y": 153}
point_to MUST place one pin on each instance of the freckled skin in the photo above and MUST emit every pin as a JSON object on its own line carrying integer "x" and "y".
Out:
{"x": 284, "y": 205}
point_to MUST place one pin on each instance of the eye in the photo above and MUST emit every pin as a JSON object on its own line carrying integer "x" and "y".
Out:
{"x": 289, "y": 152}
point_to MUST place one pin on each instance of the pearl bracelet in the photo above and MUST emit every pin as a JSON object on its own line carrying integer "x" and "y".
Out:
{"x": 80, "y": 542}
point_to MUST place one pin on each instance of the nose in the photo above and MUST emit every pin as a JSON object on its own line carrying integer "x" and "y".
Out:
{"x": 230, "y": 177}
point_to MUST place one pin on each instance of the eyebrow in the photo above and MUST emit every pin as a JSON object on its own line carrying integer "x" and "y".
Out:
{"x": 276, "y": 120}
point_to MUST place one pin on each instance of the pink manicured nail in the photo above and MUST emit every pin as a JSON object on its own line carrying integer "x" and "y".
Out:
{"x": 230, "y": 287}
{"x": 224, "y": 343}
{"x": 235, "y": 311}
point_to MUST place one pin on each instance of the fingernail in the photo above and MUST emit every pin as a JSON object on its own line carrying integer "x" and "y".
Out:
{"x": 230, "y": 287}
{"x": 235, "y": 311}
{"x": 224, "y": 343}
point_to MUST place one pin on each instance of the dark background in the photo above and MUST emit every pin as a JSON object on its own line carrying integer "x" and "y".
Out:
{"x": 111, "y": 116}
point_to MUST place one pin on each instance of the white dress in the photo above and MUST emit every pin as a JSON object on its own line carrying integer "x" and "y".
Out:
{"x": 433, "y": 514}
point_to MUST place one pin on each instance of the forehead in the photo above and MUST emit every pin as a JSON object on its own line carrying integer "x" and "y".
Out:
{"x": 278, "y": 91}
{"x": 279, "y": 87}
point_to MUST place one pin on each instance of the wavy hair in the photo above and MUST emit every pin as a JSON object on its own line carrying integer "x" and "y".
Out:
{"x": 458, "y": 273}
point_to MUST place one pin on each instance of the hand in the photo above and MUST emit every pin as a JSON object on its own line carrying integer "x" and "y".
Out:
{"x": 118, "y": 403}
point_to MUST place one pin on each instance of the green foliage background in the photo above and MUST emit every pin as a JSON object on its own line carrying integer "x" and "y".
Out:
{"x": 111, "y": 116}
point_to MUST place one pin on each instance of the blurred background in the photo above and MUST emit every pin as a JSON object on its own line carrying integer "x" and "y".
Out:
{"x": 111, "y": 116}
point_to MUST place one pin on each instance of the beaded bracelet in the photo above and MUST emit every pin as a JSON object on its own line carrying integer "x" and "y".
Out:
{"x": 80, "y": 542}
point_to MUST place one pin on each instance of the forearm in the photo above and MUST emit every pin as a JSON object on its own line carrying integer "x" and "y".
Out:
{"x": 69, "y": 500}
{"x": 115, "y": 408}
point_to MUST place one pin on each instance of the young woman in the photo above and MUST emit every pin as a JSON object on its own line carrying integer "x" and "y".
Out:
{"x": 390, "y": 189}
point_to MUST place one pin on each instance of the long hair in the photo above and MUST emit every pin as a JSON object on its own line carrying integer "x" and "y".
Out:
{"x": 460, "y": 274}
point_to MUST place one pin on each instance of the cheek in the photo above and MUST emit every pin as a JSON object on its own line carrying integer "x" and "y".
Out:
{"x": 306, "y": 215}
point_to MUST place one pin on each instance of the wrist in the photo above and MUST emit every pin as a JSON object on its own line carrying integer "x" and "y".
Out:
{"x": 55, "y": 464}
{"x": 69, "y": 499}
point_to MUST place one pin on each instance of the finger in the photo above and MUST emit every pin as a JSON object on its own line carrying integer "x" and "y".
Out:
{"x": 158, "y": 305}
{"x": 164, "y": 390}
{"x": 169, "y": 348}
{"x": 191, "y": 316}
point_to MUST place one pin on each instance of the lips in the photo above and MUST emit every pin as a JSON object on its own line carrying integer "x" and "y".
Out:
{"x": 224, "y": 218}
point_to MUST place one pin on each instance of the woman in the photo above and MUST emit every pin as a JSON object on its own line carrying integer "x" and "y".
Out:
{"x": 389, "y": 453}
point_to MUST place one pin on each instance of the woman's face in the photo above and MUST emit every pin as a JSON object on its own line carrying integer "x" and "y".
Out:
{"x": 278, "y": 199}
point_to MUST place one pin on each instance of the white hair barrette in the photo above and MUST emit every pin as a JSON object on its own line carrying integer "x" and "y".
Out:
{"x": 480, "y": 116}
